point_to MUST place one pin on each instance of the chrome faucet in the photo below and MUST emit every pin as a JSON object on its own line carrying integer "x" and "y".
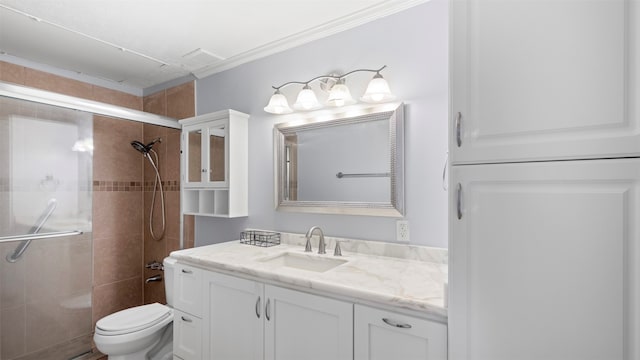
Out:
{"x": 154, "y": 278}
{"x": 321, "y": 244}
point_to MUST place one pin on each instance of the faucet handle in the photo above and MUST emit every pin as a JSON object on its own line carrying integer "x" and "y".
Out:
{"x": 337, "y": 251}
{"x": 154, "y": 265}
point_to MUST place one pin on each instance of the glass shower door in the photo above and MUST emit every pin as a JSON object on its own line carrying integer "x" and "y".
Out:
{"x": 45, "y": 231}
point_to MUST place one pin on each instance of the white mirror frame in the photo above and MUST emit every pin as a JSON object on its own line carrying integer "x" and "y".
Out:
{"x": 394, "y": 112}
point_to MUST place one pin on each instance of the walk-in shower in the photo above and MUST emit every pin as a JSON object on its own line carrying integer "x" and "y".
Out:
{"x": 146, "y": 150}
{"x": 46, "y": 157}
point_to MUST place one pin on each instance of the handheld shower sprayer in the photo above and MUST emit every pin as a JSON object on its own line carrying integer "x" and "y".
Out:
{"x": 145, "y": 150}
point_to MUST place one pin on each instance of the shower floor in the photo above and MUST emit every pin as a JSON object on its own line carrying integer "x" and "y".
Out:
{"x": 75, "y": 349}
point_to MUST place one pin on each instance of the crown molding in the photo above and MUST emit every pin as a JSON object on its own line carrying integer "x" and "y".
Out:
{"x": 327, "y": 29}
{"x": 93, "y": 80}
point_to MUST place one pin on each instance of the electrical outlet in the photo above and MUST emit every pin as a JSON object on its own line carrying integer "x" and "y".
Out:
{"x": 402, "y": 231}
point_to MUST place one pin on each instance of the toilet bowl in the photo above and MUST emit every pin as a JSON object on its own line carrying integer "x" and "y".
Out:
{"x": 141, "y": 332}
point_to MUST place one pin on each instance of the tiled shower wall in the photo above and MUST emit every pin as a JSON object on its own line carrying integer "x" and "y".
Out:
{"x": 123, "y": 185}
{"x": 179, "y": 103}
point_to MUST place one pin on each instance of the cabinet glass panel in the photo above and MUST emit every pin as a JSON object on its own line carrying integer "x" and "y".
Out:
{"x": 194, "y": 143}
{"x": 217, "y": 145}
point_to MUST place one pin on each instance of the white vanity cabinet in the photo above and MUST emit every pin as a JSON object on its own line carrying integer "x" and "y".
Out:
{"x": 214, "y": 166}
{"x": 244, "y": 319}
{"x": 382, "y": 334}
{"x": 544, "y": 80}
{"x": 250, "y": 320}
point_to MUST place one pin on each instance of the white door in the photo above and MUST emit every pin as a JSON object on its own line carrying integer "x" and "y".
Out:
{"x": 385, "y": 335}
{"x": 304, "y": 326}
{"x": 544, "y": 261}
{"x": 233, "y": 318}
{"x": 544, "y": 80}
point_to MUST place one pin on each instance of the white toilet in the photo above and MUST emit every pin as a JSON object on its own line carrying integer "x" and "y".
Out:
{"x": 142, "y": 332}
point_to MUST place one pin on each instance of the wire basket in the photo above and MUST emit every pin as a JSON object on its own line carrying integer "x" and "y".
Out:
{"x": 260, "y": 238}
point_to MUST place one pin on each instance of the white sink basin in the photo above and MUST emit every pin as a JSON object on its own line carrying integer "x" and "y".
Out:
{"x": 304, "y": 261}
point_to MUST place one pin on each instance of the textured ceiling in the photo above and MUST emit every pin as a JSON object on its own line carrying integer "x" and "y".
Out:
{"x": 142, "y": 43}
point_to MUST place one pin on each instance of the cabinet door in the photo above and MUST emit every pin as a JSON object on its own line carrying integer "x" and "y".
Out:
{"x": 304, "y": 326}
{"x": 193, "y": 139}
{"x": 206, "y": 148}
{"x": 544, "y": 261}
{"x": 234, "y": 318}
{"x": 218, "y": 154}
{"x": 544, "y": 80}
{"x": 380, "y": 335}
{"x": 187, "y": 336}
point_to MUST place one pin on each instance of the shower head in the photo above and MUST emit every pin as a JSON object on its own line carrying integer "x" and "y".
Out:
{"x": 140, "y": 147}
{"x": 144, "y": 149}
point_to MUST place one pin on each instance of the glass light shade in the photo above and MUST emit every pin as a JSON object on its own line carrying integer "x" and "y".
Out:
{"x": 307, "y": 100}
{"x": 278, "y": 104}
{"x": 377, "y": 91}
{"x": 340, "y": 95}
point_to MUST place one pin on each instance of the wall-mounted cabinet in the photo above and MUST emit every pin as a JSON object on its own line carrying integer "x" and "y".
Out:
{"x": 215, "y": 164}
{"x": 565, "y": 90}
{"x": 544, "y": 255}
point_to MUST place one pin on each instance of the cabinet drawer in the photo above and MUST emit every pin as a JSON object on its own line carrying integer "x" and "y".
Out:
{"x": 188, "y": 289}
{"x": 381, "y": 334}
{"x": 187, "y": 336}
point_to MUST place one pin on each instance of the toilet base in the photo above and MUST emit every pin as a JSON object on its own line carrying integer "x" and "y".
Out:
{"x": 162, "y": 349}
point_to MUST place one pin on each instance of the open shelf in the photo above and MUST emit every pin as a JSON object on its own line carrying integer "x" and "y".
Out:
{"x": 206, "y": 202}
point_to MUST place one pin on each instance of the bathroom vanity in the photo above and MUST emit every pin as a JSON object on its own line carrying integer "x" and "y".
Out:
{"x": 377, "y": 300}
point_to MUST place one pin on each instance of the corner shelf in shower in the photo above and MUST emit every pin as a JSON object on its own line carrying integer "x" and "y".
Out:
{"x": 214, "y": 164}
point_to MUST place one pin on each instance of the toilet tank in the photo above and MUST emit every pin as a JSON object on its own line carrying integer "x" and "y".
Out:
{"x": 169, "y": 276}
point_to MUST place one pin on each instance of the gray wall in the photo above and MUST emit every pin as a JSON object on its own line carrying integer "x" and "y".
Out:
{"x": 414, "y": 45}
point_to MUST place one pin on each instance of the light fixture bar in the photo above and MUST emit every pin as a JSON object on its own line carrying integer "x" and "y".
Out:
{"x": 335, "y": 77}
{"x": 339, "y": 94}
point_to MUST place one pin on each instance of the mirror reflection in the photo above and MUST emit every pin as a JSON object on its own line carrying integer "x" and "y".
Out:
{"x": 346, "y": 162}
{"x": 207, "y": 166}
{"x": 216, "y": 153}
{"x": 195, "y": 155}
{"x": 349, "y": 165}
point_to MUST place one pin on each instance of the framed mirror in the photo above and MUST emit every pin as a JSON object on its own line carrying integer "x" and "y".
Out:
{"x": 349, "y": 163}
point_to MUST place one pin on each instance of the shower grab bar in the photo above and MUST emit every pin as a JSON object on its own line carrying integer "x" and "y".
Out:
{"x": 341, "y": 175}
{"x": 26, "y": 240}
{"x": 28, "y": 237}
{"x": 22, "y": 247}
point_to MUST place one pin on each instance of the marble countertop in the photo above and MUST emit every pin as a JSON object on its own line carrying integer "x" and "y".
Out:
{"x": 403, "y": 276}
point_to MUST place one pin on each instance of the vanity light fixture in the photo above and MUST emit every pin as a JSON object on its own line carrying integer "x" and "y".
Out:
{"x": 339, "y": 95}
{"x": 278, "y": 104}
{"x": 307, "y": 100}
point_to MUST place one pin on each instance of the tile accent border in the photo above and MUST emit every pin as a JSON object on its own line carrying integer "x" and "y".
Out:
{"x": 166, "y": 185}
{"x": 99, "y": 185}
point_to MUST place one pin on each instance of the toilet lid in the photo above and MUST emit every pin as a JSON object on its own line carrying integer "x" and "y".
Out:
{"x": 133, "y": 319}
